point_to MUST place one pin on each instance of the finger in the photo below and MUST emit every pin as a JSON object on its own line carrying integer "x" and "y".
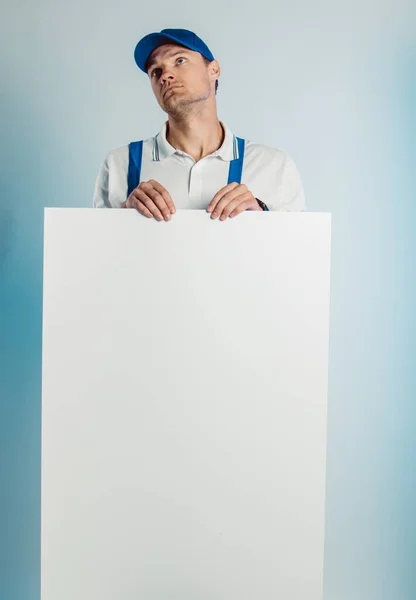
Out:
{"x": 160, "y": 196}
{"x": 244, "y": 199}
{"x": 220, "y": 194}
{"x": 230, "y": 197}
{"x": 165, "y": 194}
{"x": 153, "y": 201}
{"x": 148, "y": 202}
{"x": 241, "y": 208}
{"x": 134, "y": 202}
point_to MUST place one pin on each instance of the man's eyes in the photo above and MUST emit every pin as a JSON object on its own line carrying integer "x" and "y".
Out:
{"x": 157, "y": 71}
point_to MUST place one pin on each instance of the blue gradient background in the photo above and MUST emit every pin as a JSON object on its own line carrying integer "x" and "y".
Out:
{"x": 332, "y": 84}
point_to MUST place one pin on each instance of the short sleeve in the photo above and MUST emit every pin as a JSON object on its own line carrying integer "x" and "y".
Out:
{"x": 101, "y": 189}
{"x": 291, "y": 193}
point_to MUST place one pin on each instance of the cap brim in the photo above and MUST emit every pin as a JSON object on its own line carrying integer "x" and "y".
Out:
{"x": 149, "y": 43}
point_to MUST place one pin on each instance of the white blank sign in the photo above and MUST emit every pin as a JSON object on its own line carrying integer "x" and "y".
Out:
{"x": 184, "y": 405}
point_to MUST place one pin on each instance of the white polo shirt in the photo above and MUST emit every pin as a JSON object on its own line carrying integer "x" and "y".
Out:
{"x": 270, "y": 174}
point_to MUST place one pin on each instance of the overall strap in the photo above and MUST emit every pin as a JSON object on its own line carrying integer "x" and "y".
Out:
{"x": 135, "y": 165}
{"x": 236, "y": 165}
{"x": 236, "y": 168}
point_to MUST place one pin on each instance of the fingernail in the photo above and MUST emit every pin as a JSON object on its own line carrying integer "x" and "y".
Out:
{"x": 168, "y": 217}
{"x": 214, "y": 214}
{"x": 172, "y": 210}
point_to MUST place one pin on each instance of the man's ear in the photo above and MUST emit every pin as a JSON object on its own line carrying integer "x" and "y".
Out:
{"x": 214, "y": 69}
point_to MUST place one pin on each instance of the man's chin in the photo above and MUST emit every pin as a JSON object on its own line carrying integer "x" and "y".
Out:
{"x": 176, "y": 104}
{"x": 180, "y": 104}
{"x": 174, "y": 99}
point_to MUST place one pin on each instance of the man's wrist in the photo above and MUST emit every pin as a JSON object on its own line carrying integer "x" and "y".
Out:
{"x": 261, "y": 205}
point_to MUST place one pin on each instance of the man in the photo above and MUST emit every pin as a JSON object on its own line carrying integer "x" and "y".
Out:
{"x": 195, "y": 161}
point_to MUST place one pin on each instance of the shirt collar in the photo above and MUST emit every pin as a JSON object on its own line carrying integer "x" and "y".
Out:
{"x": 162, "y": 149}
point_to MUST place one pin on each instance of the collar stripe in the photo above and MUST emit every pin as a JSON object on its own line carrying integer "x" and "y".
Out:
{"x": 235, "y": 148}
{"x": 156, "y": 155}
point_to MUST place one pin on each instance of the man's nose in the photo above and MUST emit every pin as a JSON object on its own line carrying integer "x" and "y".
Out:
{"x": 166, "y": 75}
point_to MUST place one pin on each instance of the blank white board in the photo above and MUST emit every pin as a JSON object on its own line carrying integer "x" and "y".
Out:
{"x": 185, "y": 368}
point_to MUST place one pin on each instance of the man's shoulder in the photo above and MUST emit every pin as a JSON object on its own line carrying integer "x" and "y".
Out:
{"x": 266, "y": 152}
{"x": 121, "y": 153}
{"x": 118, "y": 152}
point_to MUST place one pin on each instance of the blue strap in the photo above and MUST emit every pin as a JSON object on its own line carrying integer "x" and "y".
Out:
{"x": 236, "y": 165}
{"x": 135, "y": 166}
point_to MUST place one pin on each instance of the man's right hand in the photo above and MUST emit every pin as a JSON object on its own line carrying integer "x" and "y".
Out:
{"x": 151, "y": 199}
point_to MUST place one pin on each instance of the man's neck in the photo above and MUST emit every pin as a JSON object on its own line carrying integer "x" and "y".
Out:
{"x": 196, "y": 135}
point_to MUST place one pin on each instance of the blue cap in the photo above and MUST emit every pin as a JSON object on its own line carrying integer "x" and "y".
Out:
{"x": 182, "y": 37}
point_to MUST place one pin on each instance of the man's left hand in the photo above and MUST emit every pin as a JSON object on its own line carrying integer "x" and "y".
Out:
{"x": 231, "y": 200}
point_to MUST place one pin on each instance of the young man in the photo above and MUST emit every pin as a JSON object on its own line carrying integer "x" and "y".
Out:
{"x": 195, "y": 161}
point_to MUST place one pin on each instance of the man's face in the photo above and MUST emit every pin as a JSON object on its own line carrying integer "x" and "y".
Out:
{"x": 180, "y": 77}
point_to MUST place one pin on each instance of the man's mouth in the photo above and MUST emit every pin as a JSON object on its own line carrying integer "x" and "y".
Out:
{"x": 171, "y": 87}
